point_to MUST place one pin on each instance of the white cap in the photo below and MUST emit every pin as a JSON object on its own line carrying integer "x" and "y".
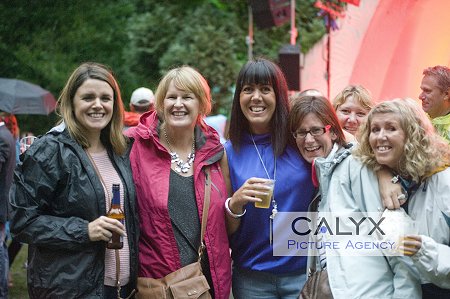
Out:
{"x": 142, "y": 97}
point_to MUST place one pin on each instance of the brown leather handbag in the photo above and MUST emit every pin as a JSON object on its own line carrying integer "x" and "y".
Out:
{"x": 317, "y": 286}
{"x": 187, "y": 282}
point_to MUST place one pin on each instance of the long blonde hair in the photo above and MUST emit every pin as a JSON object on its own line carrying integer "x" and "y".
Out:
{"x": 424, "y": 149}
{"x": 111, "y": 135}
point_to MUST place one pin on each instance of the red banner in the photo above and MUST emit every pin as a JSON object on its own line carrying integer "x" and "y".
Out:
{"x": 334, "y": 10}
{"x": 354, "y": 2}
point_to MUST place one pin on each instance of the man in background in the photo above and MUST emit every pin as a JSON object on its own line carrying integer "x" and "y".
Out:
{"x": 435, "y": 97}
{"x": 142, "y": 100}
{"x": 7, "y": 164}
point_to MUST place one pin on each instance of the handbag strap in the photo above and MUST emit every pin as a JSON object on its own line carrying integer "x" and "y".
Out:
{"x": 312, "y": 208}
{"x": 206, "y": 203}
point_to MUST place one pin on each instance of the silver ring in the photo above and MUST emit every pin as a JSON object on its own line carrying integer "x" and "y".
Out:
{"x": 401, "y": 197}
{"x": 395, "y": 179}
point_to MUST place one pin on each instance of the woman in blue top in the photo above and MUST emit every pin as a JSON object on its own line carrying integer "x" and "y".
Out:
{"x": 261, "y": 148}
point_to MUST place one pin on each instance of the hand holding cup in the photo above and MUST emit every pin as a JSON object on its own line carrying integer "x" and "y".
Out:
{"x": 252, "y": 191}
{"x": 410, "y": 242}
{"x": 267, "y": 197}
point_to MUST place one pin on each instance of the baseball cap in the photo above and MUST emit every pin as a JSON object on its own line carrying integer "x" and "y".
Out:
{"x": 142, "y": 97}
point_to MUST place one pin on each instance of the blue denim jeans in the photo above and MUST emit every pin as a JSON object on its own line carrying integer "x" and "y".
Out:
{"x": 249, "y": 284}
{"x": 4, "y": 267}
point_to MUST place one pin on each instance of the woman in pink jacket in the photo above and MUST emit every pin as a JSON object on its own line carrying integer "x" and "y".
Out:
{"x": 172, "y": 146}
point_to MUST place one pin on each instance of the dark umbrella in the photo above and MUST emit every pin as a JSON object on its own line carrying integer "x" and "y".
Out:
{"x": 21, "y": 97}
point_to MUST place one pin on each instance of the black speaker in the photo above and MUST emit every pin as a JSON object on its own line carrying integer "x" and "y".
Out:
{"x": 268, "y": 13}
{"x": 289, "y": 61}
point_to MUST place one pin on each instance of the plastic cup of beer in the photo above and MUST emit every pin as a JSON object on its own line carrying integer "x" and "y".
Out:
{"x": 266, "y": 199}
{"x": 409, "y": 228}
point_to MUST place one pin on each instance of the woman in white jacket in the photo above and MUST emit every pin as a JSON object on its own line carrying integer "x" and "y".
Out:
{"x": 399, "y": 136}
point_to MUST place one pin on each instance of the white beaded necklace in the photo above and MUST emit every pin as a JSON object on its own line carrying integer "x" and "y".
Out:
{"x": 181, "y": 166}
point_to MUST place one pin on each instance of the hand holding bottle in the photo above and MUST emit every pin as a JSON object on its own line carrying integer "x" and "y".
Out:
{"x": 116, "y": 212}
{"x": 101, "y": 228}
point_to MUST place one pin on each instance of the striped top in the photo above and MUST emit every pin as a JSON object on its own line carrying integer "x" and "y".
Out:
{"x": 110, "y": 177}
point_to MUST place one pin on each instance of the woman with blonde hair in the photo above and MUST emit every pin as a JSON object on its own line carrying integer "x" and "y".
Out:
{"x": 173, "y": 147}
{"x": 352, "y": 105}
{"x": 399, "y": 136}
{"x": 63, "y": 191}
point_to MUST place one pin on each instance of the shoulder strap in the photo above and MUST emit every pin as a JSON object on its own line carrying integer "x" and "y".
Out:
{"x": 206, "y": 202}
{"x": 312, "y": 208}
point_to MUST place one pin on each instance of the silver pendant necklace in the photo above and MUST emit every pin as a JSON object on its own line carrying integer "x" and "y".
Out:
{"x": 274, "y": 203}
{"x": 180, "y": 165}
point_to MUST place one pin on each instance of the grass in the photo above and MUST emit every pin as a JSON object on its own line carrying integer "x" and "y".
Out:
{"x": 19, "y": 275}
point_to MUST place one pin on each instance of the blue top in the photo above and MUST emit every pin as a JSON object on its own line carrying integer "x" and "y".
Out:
{"x": 293, "y": 191}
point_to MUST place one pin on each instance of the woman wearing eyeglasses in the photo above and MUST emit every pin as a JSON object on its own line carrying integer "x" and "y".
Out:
{"x": 320, "y": 138}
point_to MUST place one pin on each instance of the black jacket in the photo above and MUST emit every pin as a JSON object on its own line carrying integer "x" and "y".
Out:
{"x": 57, "y": 193}
{"x": 7, "y": 163}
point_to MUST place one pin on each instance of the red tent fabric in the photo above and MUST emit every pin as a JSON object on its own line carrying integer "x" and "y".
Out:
{"x": 383, "y": 45}
{"x": 354, "y": 2}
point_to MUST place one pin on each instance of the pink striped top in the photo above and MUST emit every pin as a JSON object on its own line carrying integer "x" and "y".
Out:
{"x": 110, "y": 177}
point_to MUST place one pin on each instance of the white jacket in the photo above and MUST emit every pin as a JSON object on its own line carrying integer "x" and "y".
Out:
{"x": 430, "y": 208}
{"x": 346, "y": 187}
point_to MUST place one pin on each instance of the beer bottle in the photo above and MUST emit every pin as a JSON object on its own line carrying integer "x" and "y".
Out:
{"x": 115, "y": 212}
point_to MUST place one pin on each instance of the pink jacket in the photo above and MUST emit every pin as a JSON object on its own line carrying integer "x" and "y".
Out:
{"x": 150, "y": 162}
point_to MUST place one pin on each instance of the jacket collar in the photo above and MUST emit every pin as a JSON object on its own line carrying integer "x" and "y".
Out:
{"x": 337, "y": 155}
{"x": 324, "y": 167}
{"x": 63, "y": 135}
{"x": 207, "y": 143}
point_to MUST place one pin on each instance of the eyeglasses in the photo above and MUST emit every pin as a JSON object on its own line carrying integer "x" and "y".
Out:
{"x": 315, "y": 131}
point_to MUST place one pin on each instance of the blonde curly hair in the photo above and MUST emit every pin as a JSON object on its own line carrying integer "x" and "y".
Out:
{"x": 424, "y": 150}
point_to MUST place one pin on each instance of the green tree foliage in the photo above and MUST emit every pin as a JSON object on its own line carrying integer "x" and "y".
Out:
{"x": 211, "y": 36}
{"x": 203, "y": 34}
{"x": 43, "y": 41}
